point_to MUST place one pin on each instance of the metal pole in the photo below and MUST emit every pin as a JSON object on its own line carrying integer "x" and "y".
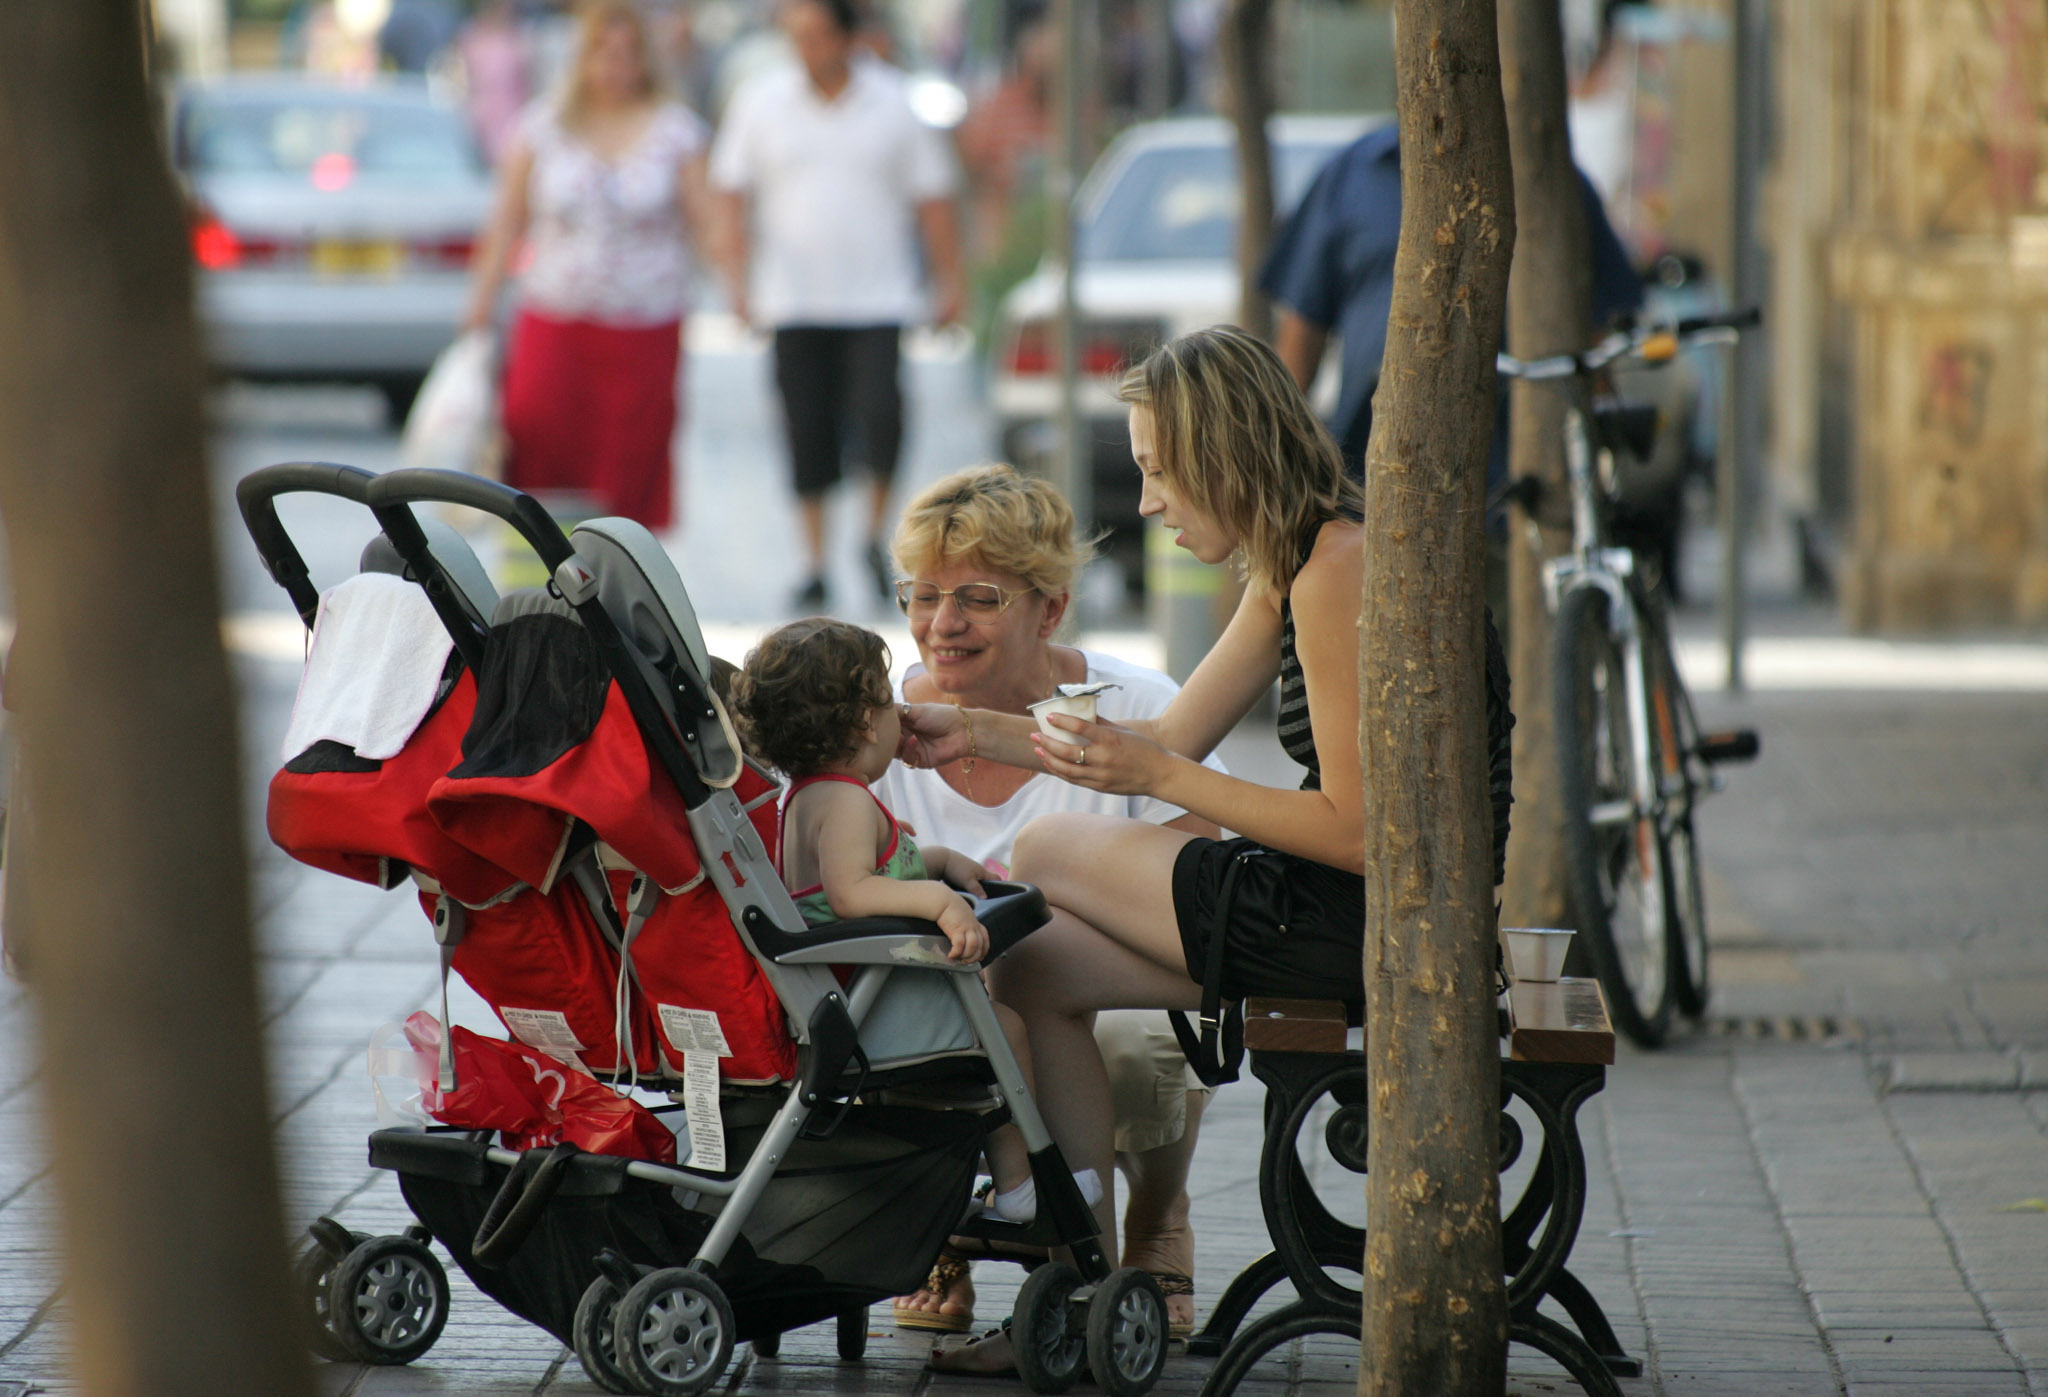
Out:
{"x": 1070, "y": 461}
{"x": 1741, "y": 405}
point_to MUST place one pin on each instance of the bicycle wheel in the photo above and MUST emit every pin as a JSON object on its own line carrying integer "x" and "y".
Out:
{"x": 1675, "y": 734}
{"x": 1615, "y": 850}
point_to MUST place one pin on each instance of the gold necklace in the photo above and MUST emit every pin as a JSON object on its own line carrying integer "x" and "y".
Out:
{"x": 972, "y": 760}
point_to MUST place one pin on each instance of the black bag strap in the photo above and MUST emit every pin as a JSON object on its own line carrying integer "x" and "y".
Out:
{"x": 1219, "y": 1052}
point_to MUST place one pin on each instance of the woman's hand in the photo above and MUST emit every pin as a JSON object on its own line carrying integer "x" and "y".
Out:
{"x": 933, "y": 734}
{"x": 1114, "y": 760}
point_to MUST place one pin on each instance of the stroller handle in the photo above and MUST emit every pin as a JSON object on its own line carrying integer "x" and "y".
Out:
{"x": 522, "y": 511}
{"x": 256, "y": 496}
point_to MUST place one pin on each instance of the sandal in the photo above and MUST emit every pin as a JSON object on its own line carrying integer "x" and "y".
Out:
{"x": 947, "y": 1271}
{"x": 1172, "y": 1283}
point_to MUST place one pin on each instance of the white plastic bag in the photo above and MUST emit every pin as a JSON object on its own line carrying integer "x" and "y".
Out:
{"x": 454, "y": 420}
{"x": 399, "y": 1078}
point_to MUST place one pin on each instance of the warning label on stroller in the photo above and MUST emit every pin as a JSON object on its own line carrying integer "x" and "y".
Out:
{"x": 700, "y": 1104}
{"x": 694, "y": 1031}
{"x": 542, "y": 1028}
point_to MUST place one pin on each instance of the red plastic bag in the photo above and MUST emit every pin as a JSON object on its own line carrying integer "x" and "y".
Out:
{"x": 532, "y": 1099}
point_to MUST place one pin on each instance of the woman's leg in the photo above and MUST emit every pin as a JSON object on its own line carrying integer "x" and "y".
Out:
{"x": 1113, "y": 943}
{"x": 1157, "y": 1233}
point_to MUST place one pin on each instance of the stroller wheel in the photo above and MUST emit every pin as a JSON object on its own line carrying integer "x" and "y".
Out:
{"x": 1049, "y": 1353}
{"x": 592, "y": 1337}
{"x": 1127, "y": 1333}
{"x": 674, "y": 1333}
{"x": 388, "y": 1300}
{"x": 313, "y": 1275}
{"x": 768, "y": 1345}
{"x": 853, "y": 1333}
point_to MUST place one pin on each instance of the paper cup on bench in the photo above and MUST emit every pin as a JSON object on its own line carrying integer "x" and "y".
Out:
{"x": 1537, "y": 953}
{"x": 1074, "y": 700}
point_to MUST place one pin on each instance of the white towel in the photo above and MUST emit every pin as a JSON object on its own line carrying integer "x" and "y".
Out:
{"x": 376, "y": 660}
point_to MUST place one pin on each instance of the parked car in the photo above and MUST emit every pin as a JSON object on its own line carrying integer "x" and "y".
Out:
{"x": 1156, "y": 230}
{"x": 332, "y": 226}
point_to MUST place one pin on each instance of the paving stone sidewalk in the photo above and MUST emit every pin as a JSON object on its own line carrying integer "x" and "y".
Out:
{"x": 1835, "y": 1186}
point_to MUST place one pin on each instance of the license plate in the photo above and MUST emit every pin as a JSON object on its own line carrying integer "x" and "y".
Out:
{"x": 357, "y": 258}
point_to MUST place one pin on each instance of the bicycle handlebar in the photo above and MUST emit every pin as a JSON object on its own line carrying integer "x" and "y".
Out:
{"x": 1716, "y": 328}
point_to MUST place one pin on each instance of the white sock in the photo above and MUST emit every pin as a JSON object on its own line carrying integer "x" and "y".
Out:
{"x": 1020, "y": 1204}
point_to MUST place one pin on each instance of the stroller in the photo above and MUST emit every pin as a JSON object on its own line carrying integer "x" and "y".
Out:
{"x": 596, "y": 856}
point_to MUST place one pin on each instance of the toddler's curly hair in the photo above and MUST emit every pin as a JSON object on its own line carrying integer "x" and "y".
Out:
{"x": 806, "y": 691}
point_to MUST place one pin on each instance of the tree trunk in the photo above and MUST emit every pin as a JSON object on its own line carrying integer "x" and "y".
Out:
{"x": 1246, "y": 47}
{"x": 1435, "y": 1314}
{"x": 138, "y": 945}
{"x": 1550, "y": 296}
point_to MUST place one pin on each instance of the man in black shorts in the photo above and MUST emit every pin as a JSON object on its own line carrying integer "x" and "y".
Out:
{"x": 828, "y": 179}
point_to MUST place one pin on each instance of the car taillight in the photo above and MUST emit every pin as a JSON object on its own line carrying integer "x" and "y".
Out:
{"x": 214, "y": 247}
{"x": 1031, "y": 352}
{"x": 445, "y": 252}
{"x": 1105, "y": 349}
{"x": 1102, "y": 356}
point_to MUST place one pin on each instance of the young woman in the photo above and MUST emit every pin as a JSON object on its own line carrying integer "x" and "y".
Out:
{"x": 1236, "y": 464}
{"x": 607, "y": 188}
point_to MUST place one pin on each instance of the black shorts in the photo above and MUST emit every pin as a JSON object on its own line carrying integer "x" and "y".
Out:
{"x": 841, "y": 399}
{"x": 1296, "y": 927}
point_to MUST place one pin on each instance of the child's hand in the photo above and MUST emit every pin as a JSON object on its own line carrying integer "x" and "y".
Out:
{"x": 969, "y": 937}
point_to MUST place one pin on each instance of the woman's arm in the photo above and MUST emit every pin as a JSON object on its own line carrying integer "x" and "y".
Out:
{"x": 693, "y": 196}
{"x": 1326, "y": 825}
{"x": 1238, "y": 668}
{"x": 509, "y": 216}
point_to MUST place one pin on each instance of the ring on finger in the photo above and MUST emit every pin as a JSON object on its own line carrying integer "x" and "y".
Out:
{"x": 1081, "y": 757}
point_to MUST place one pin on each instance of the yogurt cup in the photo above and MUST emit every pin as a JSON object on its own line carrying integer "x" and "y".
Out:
{"x": 1075, "y": 700}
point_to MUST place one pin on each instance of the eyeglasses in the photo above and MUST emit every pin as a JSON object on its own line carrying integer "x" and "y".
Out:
{"x": 978, "y": 602}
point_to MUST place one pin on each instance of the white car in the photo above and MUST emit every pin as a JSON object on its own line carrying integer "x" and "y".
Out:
{"x": 332, "y": 226}
{"x": 1156, "y": 228}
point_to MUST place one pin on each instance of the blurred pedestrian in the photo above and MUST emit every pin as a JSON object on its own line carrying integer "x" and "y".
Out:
{"x": 415, "y": 32}
{"x": 1331, "y": 271}
{"x": 607, "y": 187}
{"x": 494, "y": 73}
{"x": 826, "y": 179}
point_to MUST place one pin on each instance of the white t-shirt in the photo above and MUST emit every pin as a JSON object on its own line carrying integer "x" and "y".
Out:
{"x": 941, "y": 815}
{"x": 607, "y": 239}
{"x": 835, "y": 189}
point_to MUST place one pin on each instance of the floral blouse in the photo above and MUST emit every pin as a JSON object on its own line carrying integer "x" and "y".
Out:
{"x": 606, "y": 238}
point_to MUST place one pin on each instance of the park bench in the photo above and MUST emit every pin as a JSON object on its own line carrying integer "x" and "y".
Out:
{"x": 1553, "y": 1061}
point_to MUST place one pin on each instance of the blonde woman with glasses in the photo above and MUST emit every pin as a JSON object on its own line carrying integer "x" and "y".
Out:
{"x": 988, "y": 559}
{"x": 1237, "y": 466}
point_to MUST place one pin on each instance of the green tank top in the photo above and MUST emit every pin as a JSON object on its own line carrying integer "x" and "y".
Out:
{"x": 902, "y": 861}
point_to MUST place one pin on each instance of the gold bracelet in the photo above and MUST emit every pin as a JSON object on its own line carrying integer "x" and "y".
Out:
{"x": 973, "y": 749}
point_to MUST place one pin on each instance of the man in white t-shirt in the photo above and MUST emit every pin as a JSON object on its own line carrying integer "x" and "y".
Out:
{"x": 827, "y": 179}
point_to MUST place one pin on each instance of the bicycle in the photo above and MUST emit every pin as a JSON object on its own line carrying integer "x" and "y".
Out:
{"x": 1632, "y": 761}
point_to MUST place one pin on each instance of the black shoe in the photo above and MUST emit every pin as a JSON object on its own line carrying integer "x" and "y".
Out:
{"x": 885, "y": 575}
{"x": 812, "y": 593}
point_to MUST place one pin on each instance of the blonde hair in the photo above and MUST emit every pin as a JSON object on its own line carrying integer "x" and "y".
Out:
{"x": 1235, "y": 438}
{"x": 593, "y": 19}
{"x": 999, "y": 518}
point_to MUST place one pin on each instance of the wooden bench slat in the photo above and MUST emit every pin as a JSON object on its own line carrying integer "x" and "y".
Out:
{"x": 1294, "y": 1025}
{"x": 1561, "y": 1021}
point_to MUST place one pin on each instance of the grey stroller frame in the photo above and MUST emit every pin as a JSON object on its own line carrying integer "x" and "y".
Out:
{"x": 671, "y": 1329}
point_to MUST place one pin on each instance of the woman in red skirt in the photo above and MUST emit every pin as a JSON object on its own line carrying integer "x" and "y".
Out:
{"x": 605, "y": 186}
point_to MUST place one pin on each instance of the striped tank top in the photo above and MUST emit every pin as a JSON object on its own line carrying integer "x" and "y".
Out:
{"x": 1297, "y": 737}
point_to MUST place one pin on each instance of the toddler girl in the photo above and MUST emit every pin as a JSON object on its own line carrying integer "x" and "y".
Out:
{"x": 814, "y": 701}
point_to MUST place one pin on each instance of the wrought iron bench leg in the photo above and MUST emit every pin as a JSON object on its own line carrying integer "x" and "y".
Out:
{"x": 1569, "y": 1291}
